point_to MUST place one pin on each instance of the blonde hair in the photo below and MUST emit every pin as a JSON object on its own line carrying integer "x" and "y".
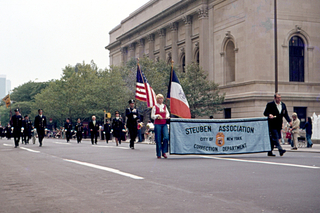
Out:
{"x": 159, "y": 96}
{"x": 294, "y": 114}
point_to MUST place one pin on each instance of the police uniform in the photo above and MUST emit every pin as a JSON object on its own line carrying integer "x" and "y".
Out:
{"x": 132, "y": 124}
{"x": 67, "y": 129}
{"x": 27, "y": 125}
{"x": 107, "y": 129}
{"x": 17, "y": 125}
{"x": 117, "y": 128}
{"x": 79, "y": 129}
{"x": 40, "y": 123}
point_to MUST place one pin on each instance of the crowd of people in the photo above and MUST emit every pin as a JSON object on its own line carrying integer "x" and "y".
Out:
{"x": 275, "y": 111}
{"x": 24, "y": 128}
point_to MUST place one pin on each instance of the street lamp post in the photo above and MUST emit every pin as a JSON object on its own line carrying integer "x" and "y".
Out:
{"x": 275, "y": 48}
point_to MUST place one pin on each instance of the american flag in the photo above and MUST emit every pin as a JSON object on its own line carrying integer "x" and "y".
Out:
{"x": 144, "y": 91}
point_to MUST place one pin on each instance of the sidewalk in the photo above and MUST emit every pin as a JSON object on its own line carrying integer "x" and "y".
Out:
{"x": 315, "y": 148}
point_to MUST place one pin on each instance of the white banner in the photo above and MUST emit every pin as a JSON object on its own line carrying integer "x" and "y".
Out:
{"x": 213, "y": 136}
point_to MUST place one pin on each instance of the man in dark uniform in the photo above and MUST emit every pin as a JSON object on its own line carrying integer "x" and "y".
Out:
{"x": 40, "y": 123}
{"x": 132, "y": 124}
{"x": 8, "y": 131}
{"x": 275, "y": 111}
{"x": 67, "y": 129}
{"x": 17, "y": 125}
{"x": 27, "y": 125}
{"x": 79, "y": 129}
{"x": 94, "y": 129}
{"x": 1, "y": 131}
{"x": 107, "y": 129}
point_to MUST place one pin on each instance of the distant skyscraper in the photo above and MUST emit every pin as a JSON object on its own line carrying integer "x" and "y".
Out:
{"x": 3, "y": 86}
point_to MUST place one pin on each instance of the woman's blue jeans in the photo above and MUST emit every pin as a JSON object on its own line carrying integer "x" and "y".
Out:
{"x": 309, "y": 142}
{"x": 162, "y": 138}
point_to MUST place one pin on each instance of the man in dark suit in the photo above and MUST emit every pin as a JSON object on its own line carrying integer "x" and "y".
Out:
{"x": 67, "y": 129}
{"x": 27, "y": 125}
{"x": 132, "y": 124}
{"x": 275, "y": 111}
{"x": 94, "y": 129}
{"x": 40, "y": 123}
{"x": 79, "y": 129}
{"x": 17, "y": 125}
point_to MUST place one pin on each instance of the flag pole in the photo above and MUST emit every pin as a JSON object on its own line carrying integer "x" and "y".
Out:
{"x": 140, "y": 75}
{"x": 10, "y": 110}
{"x": 170, "y": 79}
{"x": 140, "y": 71}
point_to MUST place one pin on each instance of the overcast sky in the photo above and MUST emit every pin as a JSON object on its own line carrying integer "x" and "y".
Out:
{"x": 38, "y": 38}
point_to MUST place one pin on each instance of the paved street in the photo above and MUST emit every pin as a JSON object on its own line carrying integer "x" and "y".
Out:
{"x": 71, "y": 177}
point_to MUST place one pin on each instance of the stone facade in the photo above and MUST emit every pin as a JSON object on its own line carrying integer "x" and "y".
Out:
{"x": 233, "y": 40}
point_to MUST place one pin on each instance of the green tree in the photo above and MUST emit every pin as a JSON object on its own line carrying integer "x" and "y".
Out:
{"x": 157, "y": 74}
{"x": 203, "y": 95}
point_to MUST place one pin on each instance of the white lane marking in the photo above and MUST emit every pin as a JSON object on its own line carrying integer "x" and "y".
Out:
{"x": 62, "y": 143}
{"x": 30, "y": 150}
{"x": 119, "y": 147}
{"x": 116, "y": 171}
{"x": 5, "y": 144}
{"x": 263, "y": 162}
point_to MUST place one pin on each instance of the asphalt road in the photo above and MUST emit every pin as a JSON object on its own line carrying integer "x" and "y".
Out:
{"x": 61, "y": 177}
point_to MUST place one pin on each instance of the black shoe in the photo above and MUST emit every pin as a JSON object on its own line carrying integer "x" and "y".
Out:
{"x": 271, "y": 155}
{"x": 282, "y": 152}
{"x": 132, "y": 147}
{"x": 15, "y": 146}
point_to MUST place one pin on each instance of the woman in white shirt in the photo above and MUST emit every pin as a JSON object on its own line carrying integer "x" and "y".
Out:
{"x": 160, "y": 114}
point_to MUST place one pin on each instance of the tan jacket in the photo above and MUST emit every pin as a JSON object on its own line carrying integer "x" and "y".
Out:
{"x": 295, "y": 126}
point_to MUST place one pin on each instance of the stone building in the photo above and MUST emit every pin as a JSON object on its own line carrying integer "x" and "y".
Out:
{"x": 233, "y": 40}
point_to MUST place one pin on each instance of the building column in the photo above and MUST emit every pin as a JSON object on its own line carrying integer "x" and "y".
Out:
{"x": 188, "y": 48}
{"x": 131, "y": 50}
{"x": 141, "y": 48}
{"x": 204, "y": 38}
{"x": 211, "y": 59}
{"x": 123, "y": 54}
{"x": 162, "y": 35}
{"x": 174, "y": 39}
{"x": 151, "y": 46}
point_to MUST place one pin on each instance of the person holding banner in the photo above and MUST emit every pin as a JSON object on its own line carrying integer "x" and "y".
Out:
{"x": 160, "y": 114}
{"x": 275, "y": 111}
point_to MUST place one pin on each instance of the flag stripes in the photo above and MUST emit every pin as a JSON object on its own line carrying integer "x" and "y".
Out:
{"x": 144, "y": 91}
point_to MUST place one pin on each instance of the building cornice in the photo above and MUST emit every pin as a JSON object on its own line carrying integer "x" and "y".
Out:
{"x": 156, "y": 18}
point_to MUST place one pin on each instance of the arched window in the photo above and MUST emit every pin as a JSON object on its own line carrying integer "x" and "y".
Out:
{"x": 183, "y": 63}
{"x": 230, "y": 62}
{"x": 296, "y": 59}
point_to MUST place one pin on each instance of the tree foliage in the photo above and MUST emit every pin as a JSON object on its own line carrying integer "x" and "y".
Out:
{"x": 85, "y": 90}
{"x": 203, "y": 95}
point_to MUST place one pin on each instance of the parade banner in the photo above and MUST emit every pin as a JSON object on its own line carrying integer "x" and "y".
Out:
{"x": 216, "y": 137}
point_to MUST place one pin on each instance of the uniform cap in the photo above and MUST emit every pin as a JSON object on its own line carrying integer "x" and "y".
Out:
{"x": 131, "y": 101}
